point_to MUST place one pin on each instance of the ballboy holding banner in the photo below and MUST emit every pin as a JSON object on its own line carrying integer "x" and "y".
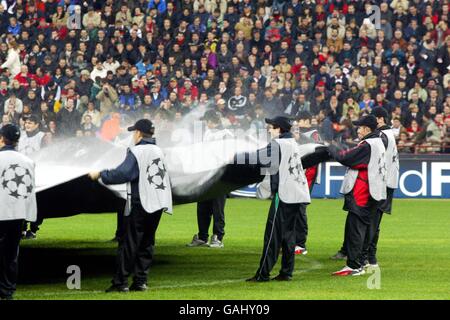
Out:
{"x": 149, "y": 195}
{"x": 17, "y": 204}
{"x": 289, "y": 186}
{"x": 369, "y": 257}
{"x": 364, "y": 186}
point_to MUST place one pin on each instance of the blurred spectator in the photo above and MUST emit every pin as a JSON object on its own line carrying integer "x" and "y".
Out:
{"x": 87, "y": 125}
{"x": 111, "y": 128}
{"x": 128, "y": 101}
{"x": 94, "y": 115}
{"x": 12, "y": 63}
{"x": 397, "y": 127}
{"x": 413, "y": 129}
{"x": 412, "y": 114}
{"x": 446, "y": 133}
{"x": 45, "y": 116}
{"x": 431, "y": 138}
{"x": 68, "y": 118}
{"x": 108, "y": 98}
{"x": 404, "y": 144}
{"x": 13, "y": 104}
{"x": 237, "y": 104}
{"x": 346, "y": 133}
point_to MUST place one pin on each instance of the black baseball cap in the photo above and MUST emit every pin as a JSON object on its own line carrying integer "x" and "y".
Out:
{"x": 10, "y": 132}
{"x": 143, "y": 125}
{"x": 368, "y": 121}
{"x": 280, "y": 121}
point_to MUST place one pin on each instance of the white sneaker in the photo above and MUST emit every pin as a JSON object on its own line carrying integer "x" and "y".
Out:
{"x": 215, "y": 242}
{"x": 197, "y": 242}
{"x": 347, "y": 271}
{"x": 359, "y": 272}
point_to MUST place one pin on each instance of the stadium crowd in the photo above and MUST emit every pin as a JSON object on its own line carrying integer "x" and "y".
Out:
{"x": 85, "y": 67}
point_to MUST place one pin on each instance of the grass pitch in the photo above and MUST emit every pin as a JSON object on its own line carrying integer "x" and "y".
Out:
{"x": 414, "y": 255}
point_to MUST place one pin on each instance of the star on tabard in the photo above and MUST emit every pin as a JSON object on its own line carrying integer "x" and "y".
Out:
{"x": 291, "y": 170}
{"x": 18, "y": 180}
{"x": 14, "y": 194}
{"x": 161, "y": 186}
{"x": 297, "y": 177}
{"x": 161, "y": 173}
{"x": 5, "y": 184}
{"x": 300, "y": 180}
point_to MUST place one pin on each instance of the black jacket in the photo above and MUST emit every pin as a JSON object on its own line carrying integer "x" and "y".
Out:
{"x": 127, "y": 171}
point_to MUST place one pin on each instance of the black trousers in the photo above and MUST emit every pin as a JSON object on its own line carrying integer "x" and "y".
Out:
{"x": 135, "y": 250}
{"x": 343, "y": 249}
{"x": 356, "y": 231}
{"x": 371, "y": 241}
{"x": 279, "y": 233}
{"x": 372, "y": 232}
{"x": 120, "y": 230}
{"x": 301, "y": 227}
{"x": 214, "y": 208}
{"x": 10, "y": 235}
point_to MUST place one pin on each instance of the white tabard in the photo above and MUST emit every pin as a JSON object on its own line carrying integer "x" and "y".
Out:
{"x": 376, "y": 171}
{"x": 293, "y": 186}
{"x": 154, "y": 184}
{"x": 17, "y": 187}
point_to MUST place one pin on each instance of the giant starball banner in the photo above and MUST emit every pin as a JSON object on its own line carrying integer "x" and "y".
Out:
{"x": 421, "y": 176}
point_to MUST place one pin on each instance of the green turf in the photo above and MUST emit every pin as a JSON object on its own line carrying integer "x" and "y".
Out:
{"x": 414, "y": 254}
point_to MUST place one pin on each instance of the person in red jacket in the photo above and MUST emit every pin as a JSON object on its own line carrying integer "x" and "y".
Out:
{"x": 188, "y": 89}
{"x": 24, "y": 77}
{"x": 364, "y": 186}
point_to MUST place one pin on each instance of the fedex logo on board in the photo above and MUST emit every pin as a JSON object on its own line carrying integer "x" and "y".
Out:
{"x": 417, "y": 178}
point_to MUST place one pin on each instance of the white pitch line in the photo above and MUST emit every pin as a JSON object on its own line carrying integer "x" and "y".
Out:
{"x": 316, "y": 265}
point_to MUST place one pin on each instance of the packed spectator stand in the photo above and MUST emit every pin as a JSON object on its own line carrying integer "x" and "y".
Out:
{"x": 86, "y": 67}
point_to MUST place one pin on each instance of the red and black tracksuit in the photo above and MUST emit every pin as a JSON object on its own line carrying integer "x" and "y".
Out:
{"x": 361, "y": 207}
{"x": 370, "y": 243}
